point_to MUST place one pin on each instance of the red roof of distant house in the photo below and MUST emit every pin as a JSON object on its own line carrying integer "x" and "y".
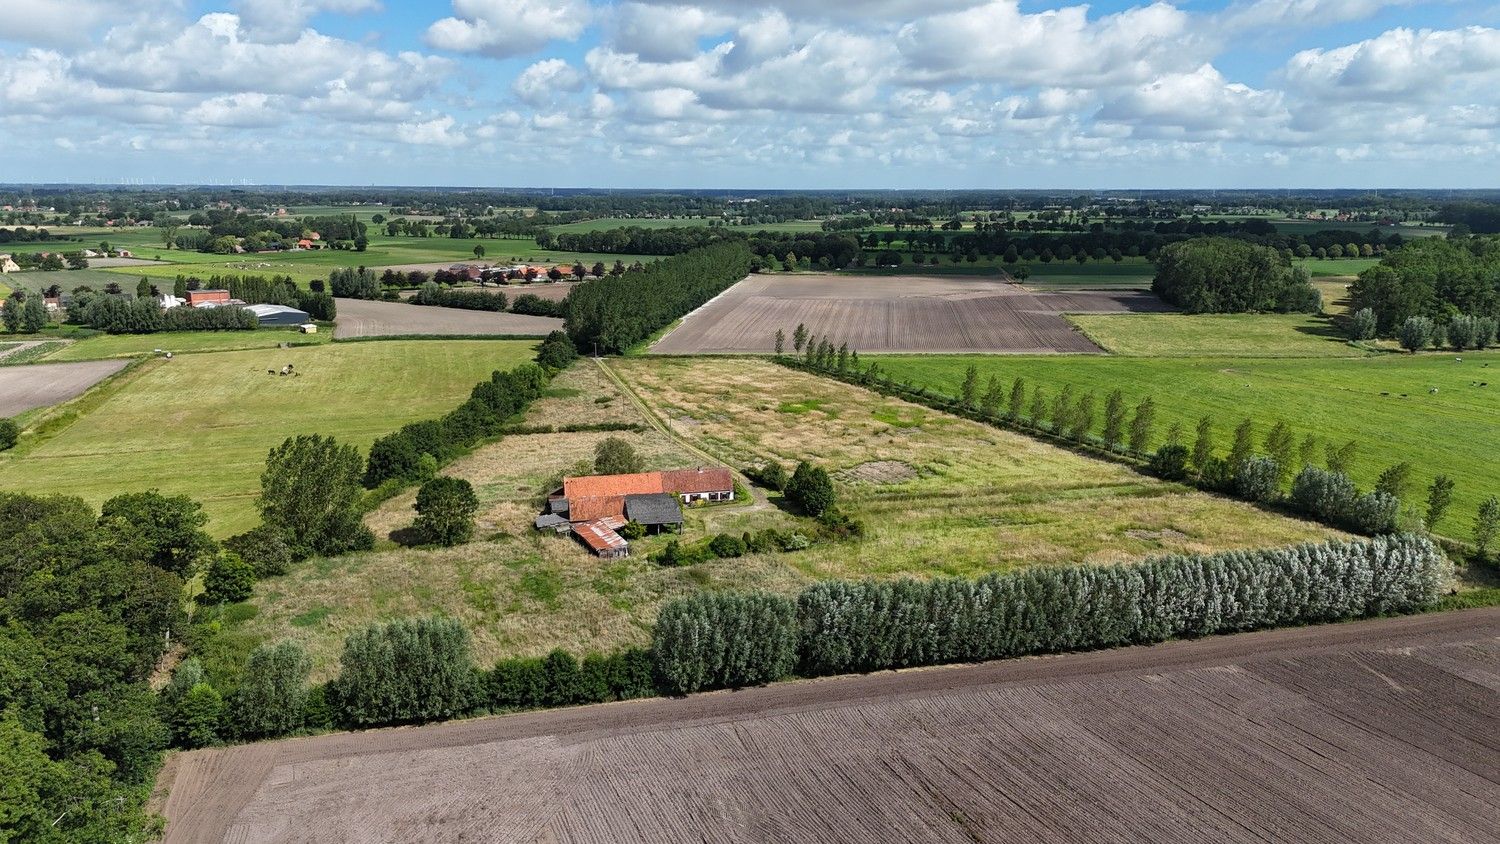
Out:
{"x": 688, "y": 481}
{"x": 194, "y": 296}
{"x": 603, "y": 486}
{"x": 595, "y": 507}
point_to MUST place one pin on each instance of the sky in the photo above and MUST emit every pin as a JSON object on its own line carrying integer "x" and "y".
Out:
{"x": 834, "y": 94}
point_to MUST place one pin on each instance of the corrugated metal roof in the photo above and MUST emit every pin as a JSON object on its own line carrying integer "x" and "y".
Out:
{"x": 268, "y": 310}
{"x": 599, "y": 535}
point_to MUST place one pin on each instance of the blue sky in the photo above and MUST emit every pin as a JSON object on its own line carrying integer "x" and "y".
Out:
{"x": 725, "y": 93}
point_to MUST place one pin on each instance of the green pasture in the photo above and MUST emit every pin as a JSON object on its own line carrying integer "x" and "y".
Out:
{"x": 201, "y": 424}
{"x": 1219, "y": 335}
{"x": 1427, "y": 409}
{"x": 182, "y": 342}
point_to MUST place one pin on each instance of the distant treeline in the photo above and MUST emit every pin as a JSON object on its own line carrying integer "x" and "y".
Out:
{"x": 614, "y": 313}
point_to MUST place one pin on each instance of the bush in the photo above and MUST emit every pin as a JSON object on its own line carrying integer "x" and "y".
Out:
{"x": 868, "y": 626}
{"x": 724, "y": 640}
{"x": 1169, "y": 462}
{"x": 615, "y": 456}
{"x": 771, "y": 476}
{"x": 228, "y": 580}
{"x": 1326, "y": 496}
{"x": 1375, "y": 513}
{"x": 811, "y": 489}
{"x": 405, "y": 671}
{"x": 445, "y": 511}
{"x": 557, "y": 351}
{"x": 272, "y": 693}
{"x": 726, "y": 546}
{"x": 517, "y": 684}
{"x": 841, "y": 525}
{"x": 633, "y": 530}
{"x": 1362, "y": 325}
{"x": 560, "y": 679}
{"x": 264, "y": 549}
{"x": 1216, "y": 474}
{"x": 1258, "y": 479}
{"x": 9, "y": 433}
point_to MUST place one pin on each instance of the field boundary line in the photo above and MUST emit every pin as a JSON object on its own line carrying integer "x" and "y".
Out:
{"x": 55, "y": 419}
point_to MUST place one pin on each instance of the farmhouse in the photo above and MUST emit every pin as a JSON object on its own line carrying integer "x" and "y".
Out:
{"x": 9, "y": 265}
{"x": 592, "y": 504}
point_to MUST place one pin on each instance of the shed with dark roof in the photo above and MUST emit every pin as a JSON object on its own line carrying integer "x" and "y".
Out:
{"x": 658, "y": 510}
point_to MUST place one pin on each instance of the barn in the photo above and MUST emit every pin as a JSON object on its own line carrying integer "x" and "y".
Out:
{"x": 279, "y": 315}
{"x": 595, "y": 505}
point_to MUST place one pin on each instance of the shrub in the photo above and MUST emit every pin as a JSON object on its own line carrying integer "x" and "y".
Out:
{"x": 841, "y": 525}
{"x": 725, "y": 546}
{"x": 264, "y": 549}
{"x": 518, "y": 684}
{"x": 557, "y": 351}
{"x": 1362, "y": 325}
{"x": 724, "y": 640}
{"x": 1375, "y": 513}
{"x": 811, "y": 489}
{"x": 9, "y": 433}
{"x": 1462, "y": 331}
{"x": 771, "y": 476}
{"x": 1258, "y": 479}
{"x": 229, "y": 579}
{"x": 404, "y": 671}
{"x": 1216, "y": 474}
{"x": 445, "y": 511}
{"x": 616, "y": 456}
{"x": 633, "y": 530}
{"x": 272, "y": 693}
{"x": 1170, "y": 462}
{"x": 560, "y": 679}
{"x": 1326, "y": 496}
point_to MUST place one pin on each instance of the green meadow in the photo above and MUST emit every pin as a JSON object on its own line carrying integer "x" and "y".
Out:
{"x": 201, "y": 424}
{"x": 1427, "y": 409}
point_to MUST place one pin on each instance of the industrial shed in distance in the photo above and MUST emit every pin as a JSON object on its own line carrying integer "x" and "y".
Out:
{"x": 279, "y": 315}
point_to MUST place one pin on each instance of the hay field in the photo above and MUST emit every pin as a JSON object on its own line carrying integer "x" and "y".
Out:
{"x": 201, "y": 424}
{"x": 1221, "y": 335}
{"x": 894, "y": 313}
{"x": 1374, "y": 730}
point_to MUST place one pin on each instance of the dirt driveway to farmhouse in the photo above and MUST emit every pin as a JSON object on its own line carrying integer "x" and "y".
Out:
{"x": 31, "y": 386}
{"x": 896, "y": 314}
{"x": 1372, "y": 730}
{"x": 364, "y": 318}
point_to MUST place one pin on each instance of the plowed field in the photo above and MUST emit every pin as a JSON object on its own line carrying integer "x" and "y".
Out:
{"x": 1379, "y": 730}
{"x": 895, "y": 314}
{"x": 24, "y": 388}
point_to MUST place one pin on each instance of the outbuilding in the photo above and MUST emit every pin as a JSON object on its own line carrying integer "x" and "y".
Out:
{"x": 279, "y": 315}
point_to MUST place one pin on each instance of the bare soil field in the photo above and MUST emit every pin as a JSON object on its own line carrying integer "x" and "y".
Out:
{"x": 364, "y": 318}
{"x": 896, "y": 314}
{"x": 24, "y": 388}
{"x": 1375, "y": 730}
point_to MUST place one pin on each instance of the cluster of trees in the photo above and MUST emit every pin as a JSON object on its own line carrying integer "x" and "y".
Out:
{"x": 89, "y": 602}
{"x": 417, "y": 450}
{"x": 634, "y": 240}
{"x": 1417, "y": 333}
{"x": 1220, "y": 275}
{"x": 557, "y": 352}
{"x": 358, "y": 283}
{"x": 118, "y": 315}
{"x": 1435, "y": 278}
{"x": 616, "y": 312}
{"x": 432, "y": 293}
{"x": 23, "y": 313}
{"x": 726, "y": 640}
{"x": 726, "y": 546}
{"x": 534, "y": 305}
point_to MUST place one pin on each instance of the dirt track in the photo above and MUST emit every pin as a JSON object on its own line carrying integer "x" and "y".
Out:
{"x": 1379, "y": 730}
{"x": 895, "y": 314}
{"x": 364, "y": 318}
{"x": 24, "y": 388}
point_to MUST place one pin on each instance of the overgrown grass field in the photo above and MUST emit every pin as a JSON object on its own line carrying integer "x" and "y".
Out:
{"x": 1220, "y": 335}
{"x": 1427, "y": 409}
{"x": 201, "y": 424}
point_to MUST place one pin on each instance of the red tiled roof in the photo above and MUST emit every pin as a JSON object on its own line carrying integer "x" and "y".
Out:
{"x": 679, "y": 481}
{"x": 595, "y": 507}
{"x": 685, "y": 481}
{"x": 600, "y": 486}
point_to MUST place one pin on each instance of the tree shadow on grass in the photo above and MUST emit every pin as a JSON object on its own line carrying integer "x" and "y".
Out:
{"x": 1327, "y": 328}
{"x": 408, "y": 537}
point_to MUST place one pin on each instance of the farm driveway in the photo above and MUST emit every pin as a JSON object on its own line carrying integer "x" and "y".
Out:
{"x": 895, "y": 314}
{"x": 1374, "y": 730}
{"x": 28, "y": 387}
{"x": 363, "y": 318}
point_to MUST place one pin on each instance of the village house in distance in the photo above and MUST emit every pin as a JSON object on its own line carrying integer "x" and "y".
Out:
{"x": 595, "y": 507}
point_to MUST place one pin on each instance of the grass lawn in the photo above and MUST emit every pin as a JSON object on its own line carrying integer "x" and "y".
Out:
{"x": 1336, "y": 266}
{"x": 183, "y": 342}
{"x": 1383, "y": 402}
{"x": 1217, "y": 335}
{"x": 201, "y": 424}
{"x": 944, "y": 496}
